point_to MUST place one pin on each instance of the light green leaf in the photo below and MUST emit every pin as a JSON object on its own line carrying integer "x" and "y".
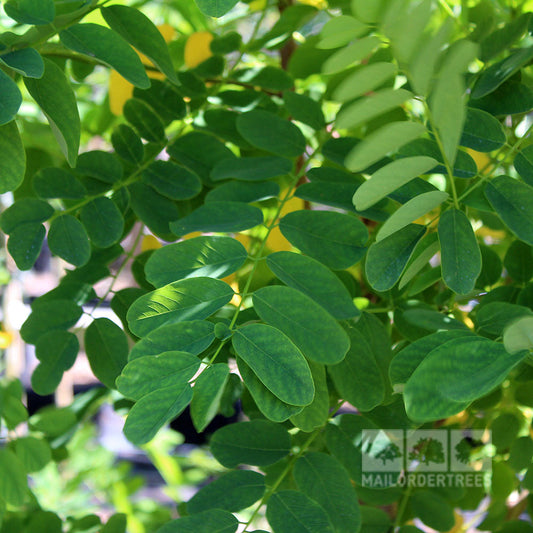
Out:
{"x": 424, "y": 251}
{"x": 390, "y": 178}
{"x": 482, "y": 132}
{"x": 207, "y": 393}
{"x": 26, "y": 61}
{"x": 369, "y": 107}
{"x": 227, "y": 217}
{"x": 107, "y": 349}
{"x": 251, "y": 168}
{"x": 351, "y": 54}
{"x": 33, "y": 453}
{"x": 13, "y": 482}
{"x": 172, "y": 180}
{"x": 231, "y": 492}
{"x": 188, "y": 299}
{"x": 193, "y": 337}
{"x": 518, "y": 335}
{"x": 460, "y": 254}
{"x": 312, "y": 329}
{"x": 258, "y": 442}
{"x": 13, "y": 160}
{"x": 215, "y": 8}
{"x": 335, "y": 239}
{"x": 315, "y": 280}
{"x": 141, "y": 33}
{"x": 386, "y": 259}
{"x": 56, "y": 182}
{"x": 369, "y": 12}
{"x": 290, "y": 511}
{"x": 339, "y": 31}
{"x": 154, "y": 410}
{"x": 103, "y": 221}
{"x": 10, "y": 100}
{"x": 362, "y": 81}
{"x": 413, "y": 209}
{"x": 323, "y": 479}
{"x": 276, "y": 135}
{"x": 37, "y": 12}
{"x": 383, "y": 141}
{"x": 276, "y": 361}
{"x": 209, "y": 256}
{"x": 513, "y": 201}
{"x": 54, "y": 95}
{"x": 104, "y": 44}
{"x": 25, "y": 243}
{"x": 68, "y": 239}
{"x": 149, "y": 373}
{"x": 53, "y": 421}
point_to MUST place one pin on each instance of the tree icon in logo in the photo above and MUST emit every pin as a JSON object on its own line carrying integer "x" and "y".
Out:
{"x": 389, "y": 453}
{"x": 464, "y": 448}
{"x": 427, "y": 450}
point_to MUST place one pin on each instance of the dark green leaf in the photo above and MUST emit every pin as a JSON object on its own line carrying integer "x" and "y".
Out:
{"x": 188, "y": 299}
{"x": 68, "y": 239}
{"x": 154, "y": 410}
{"x": 212, "y": 521}
{"x": 54, "y": 95}
{"x": 251, "y": 168}
{"x": 482, "y": 132}
{"x": 502, "y": 38}
{"x": 37, "y": 12}
{"x": 107, "y": 349}
{"x": 56, "y": 182}
{"x": 104, "y": 44}
{"x": 226, "y": 43}
{"x": 127, "y": 144}
{"x": 172, "y": 180}
{"x": 269, "y": 77}
{"x": 13, "y": 482}
{"x": 53, "y": 421}
{"x": 116, "y": 524}
{"x": 13, "y": 161}
{"x": 101, "y": 165}
{"x": 140, "y": 32}
{"x": 215, "y": 8}
{"x": 11, "y": 98}
{"x": 523, "y": 163}
{"x": 433, "y": 510}
{"x": 142, "y": 117}
{"x": 334, "y": 239}
{"x": 237, "y": 191}
{"x": 276, "y": 135}
{"x": 304, "y": 109}
{"x": 220, "y": 217}
{"x": 312, "y": 329}
{"x": 518, "y": 261}
{"x": 432, "y": 320}
{"x": 276, "y": 361}
{"x": 258, "y": 442}
{"x": 26, "y": 61}
{"x": 103, "y": 222}
{"x": 164, "y": 99}
{"x": 25, "y": 243}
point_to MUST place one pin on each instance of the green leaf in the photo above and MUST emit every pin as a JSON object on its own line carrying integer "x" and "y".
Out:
{"x": 209, "y": 256}
{"x": 100, "y": 165}
{"x": 482, "y": 132}
{"x": 276, "y": 361}
{"x": 368, "y": 12}
{"x": 37, "y": 12}
{"x": 351, "y": 54}
{"x": 502, "y": 39}
{"x": 141, "y": 33}
{"x": 33, "y": 453}
{"x": 53, "y": 421}
{"x": 13, "y": 161}
{"x": 127, "y": 144}
{"x": 193, "y": 337}
{"x": 258, "y": 442}
{"x": 412, "y": 210}
{"x": 143, "y": 118}
{"x": 13, "y": 483}
{"x": 68, "y": 239}
{"x": 237, "y": 191}
{"x": 188, "y": 299}
{"x": 146, "y": 374}
{"x": 116, "y": 524}
{"x": 365, "y": 109}
{"x": 523, "y": 163}
{"x": 433, "y": 510}
{"x": 154, "y": 410}
{"x": 231, "y": 492}
{"x": 172, "y": 180}
{"x": 335, "y": 239}
{"x": 25, "y": 243}
{"x": 276, "y": 135}
{"x": 304, "y": 109}
{"x": 57, "y": 352}
{"x": 215, "y": 8}
{"x": 105, "y": 45}
{"x": 227, "y": 217}
{"x": 27, "y": 62}
{"x": 56, "y": 182}
{"x": 363, "y": 80}
{"x": 314, "y": 280}
{"x": 251, "y": 168}
{"x": 267, "y": 403}
{"x": 290, "y": 511}
{"x": 518, "y": 261}
{"x": 212, "y": 521}
{"x": 312, "y": 329}
{"x": 107, "y": 349}
{"x": 390, "y": 178}
{"x": 460, "y": 254}
{"x": 387, "y": 259}
{"x": 11, "y": 98}
{"x": 207, "y": 393}
{"x": 424, "y": 251}
{"x": 103, "y": 221}
{"x": 55, "y": 96}
{"x": 383, "y": 141}
{"x": 339, "y": 31}
{"x": 517, "y": 336}
{"x": 358, "y": 377}
{"x": 269, "y": 77}
{"x": 323, "y": 479}
{"x": 47, "y": 316}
